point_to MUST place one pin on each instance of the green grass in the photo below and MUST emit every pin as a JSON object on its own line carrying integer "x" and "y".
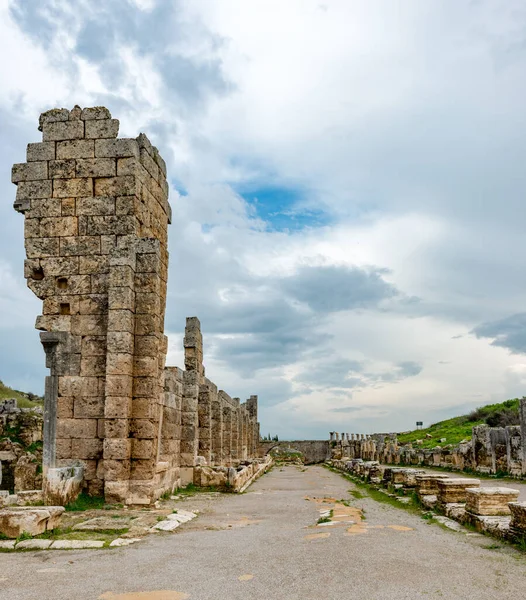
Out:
{"x": 459, "y": 428}
{"x": 23, "y": 400}
{"x": 192, "y": 490}
{"x": 85, "y": 502}
{"x": 357, "y": 494}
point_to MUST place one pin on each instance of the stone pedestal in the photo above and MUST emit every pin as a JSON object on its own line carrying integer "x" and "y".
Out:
{"x": 490, "y": 501}
{"x": 454, "y": 490}
{"x": 427, "y": 483}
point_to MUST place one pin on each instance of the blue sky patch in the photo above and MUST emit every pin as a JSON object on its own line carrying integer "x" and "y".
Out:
{"x": 284, "y": 208}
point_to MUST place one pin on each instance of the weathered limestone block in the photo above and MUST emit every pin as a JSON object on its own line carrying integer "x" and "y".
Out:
{"x": 454, "y": 489}
{"x": 32, "y": 520}
{"x": 518, "y": 518}
{"x": 427, "y": 483}
{"x": 409, "y": 477}
{"x": 62, "y": 485}
{"x": 398, "y": 475}
{"x": 490, "y": 501}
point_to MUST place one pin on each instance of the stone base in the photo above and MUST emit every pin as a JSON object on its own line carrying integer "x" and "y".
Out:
{"x": 497, "y": 526}
{"x": 29, "y": 519}
{"x": 427, "y": 483}
{"x": 490, "y": 501}
{"x": 454, "y": 489}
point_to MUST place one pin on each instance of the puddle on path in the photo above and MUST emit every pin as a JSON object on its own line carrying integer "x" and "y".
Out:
{"x": 156, "y": 595}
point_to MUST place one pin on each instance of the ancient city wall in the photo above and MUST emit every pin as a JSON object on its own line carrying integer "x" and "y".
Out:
{"x": 313, "y": 451}
{"x": 96, "y": 231}
{"x": 491, "y": 450}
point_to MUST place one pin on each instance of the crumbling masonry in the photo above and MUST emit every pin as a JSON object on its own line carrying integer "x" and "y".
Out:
{"x": 96, "y": 230}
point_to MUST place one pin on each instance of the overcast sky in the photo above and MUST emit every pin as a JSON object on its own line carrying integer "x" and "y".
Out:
{"x": 348, "y": 186}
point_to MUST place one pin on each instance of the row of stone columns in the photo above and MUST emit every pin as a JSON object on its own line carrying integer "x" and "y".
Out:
{"x": 335, "y": 436}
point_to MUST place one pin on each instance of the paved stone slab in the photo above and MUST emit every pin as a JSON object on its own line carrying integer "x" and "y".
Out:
{"x": 449, "y": 523}
{"x": 33, "y": 545}
{"x": 76, "y": 544}
{"x": 104, "y": 524}
{"x": 124, "y": 542}
{"x": 166, "y": 525}
{"x": 7, "y": 544}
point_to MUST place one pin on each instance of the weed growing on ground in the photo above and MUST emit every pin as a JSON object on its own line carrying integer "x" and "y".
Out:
{"x": 85, "y": 502}
{"x": 24, "y": 536}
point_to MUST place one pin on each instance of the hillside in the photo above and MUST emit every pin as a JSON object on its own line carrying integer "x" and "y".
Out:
{"x": 24, "y": 400}
{"x": 459, "y": 428}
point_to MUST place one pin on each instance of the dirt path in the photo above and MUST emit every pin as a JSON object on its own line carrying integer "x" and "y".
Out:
{"x": 265, "y": 544}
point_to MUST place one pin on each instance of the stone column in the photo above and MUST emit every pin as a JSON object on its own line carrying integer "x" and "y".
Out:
{"x": 205, "y": 422}
{"x": 217, "y": 429}
{"x": 235, "y": 430}
{"x": 252, "y": 408}
{"x": 227, "y": 435}
{"x": 193, "y": 377}
{"x": 522, "y": 409}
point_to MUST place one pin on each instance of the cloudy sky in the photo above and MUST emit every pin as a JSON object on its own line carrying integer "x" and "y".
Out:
{"x": 347, "y": 179}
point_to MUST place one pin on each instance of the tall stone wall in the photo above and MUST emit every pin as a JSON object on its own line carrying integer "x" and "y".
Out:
{"x": 96, "y": 232}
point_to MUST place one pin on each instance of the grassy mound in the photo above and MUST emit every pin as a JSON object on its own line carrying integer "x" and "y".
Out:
{"x": 459, "y": 428}
{"x": 24, "y": 400}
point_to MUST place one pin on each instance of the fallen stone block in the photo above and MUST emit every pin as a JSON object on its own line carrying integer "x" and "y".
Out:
{"x": 30, "y": 497}
{"x": 449, "y": 523}
{"x": 32, "y": 520}
{"x": 7, "y": 544}
{"x": 497, "y": 526}
{"x": 490, "y": 501}
{"x": 76, "y": 544}
{"x": 454, "y": 489}
{"x": 429, "y": 500}
{"x": 455, "y": 510}
{"x": 34, "y": 545}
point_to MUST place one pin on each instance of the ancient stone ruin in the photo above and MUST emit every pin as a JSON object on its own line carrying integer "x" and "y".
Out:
{"x": 491, "y": 449}
{"x": 96, "y": 231}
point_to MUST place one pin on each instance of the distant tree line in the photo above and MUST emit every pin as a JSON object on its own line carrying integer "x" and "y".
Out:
{"x": 269, "y": 438}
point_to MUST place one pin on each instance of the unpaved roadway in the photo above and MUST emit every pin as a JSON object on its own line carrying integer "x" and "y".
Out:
{"x": 264, "y": 545}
